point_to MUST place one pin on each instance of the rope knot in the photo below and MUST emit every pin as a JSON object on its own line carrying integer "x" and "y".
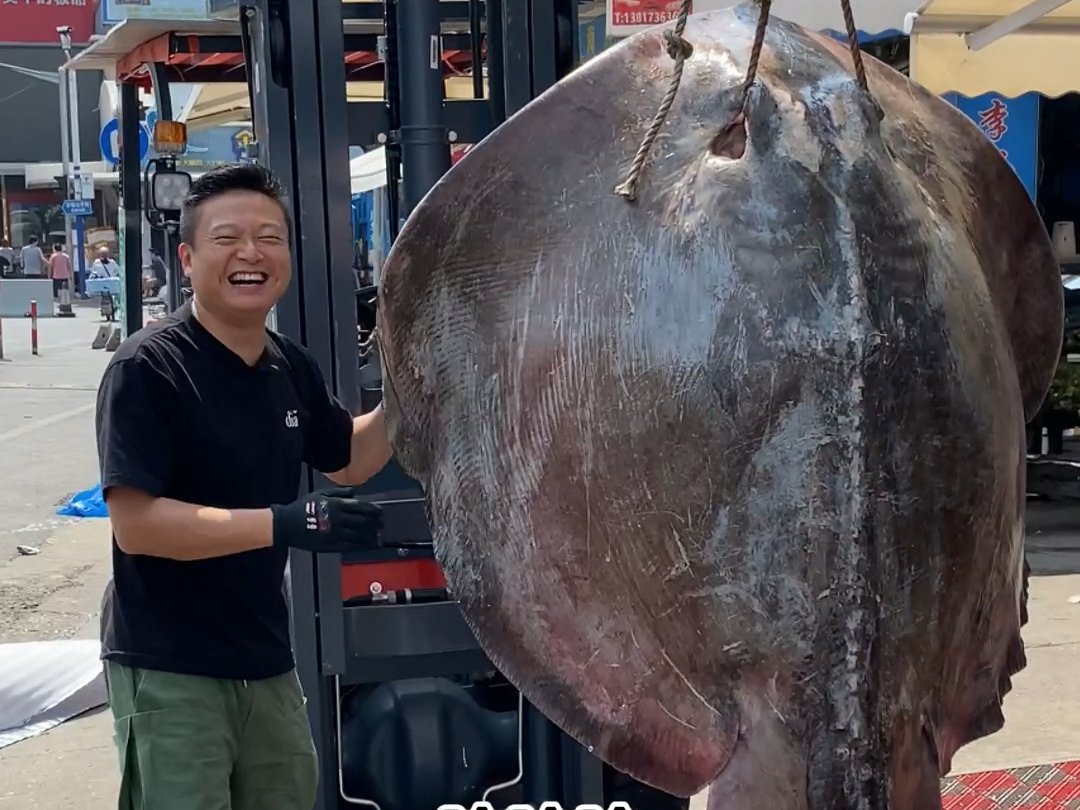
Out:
{"x": 677, "y": 47}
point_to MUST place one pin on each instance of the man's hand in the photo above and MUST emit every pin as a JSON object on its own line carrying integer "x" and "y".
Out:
{"x": 331, "y": 521}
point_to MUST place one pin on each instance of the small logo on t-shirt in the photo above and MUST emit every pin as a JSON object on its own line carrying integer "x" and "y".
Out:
{"x": 291, "y": 419}
{"x": 312, "y": 521}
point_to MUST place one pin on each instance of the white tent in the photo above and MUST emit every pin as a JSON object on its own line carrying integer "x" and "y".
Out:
{"x": 871, "y": 16}
{"x": 368, "y": 171}
{"x": 1009, "y": 47}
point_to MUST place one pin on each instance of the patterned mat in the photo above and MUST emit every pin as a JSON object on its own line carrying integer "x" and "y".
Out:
{"x": 1038, "y": 787}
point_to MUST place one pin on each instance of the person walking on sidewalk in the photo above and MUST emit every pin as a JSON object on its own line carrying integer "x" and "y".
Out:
{"x": 204, "y": 419}
{"x": 7, "y": 256}
{"x": 32, "y": 259}
{"x": 60, "y": 269}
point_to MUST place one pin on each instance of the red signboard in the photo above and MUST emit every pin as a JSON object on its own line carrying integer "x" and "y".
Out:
{"x": 627, "y": 17}
{"x": 23, "y": 21}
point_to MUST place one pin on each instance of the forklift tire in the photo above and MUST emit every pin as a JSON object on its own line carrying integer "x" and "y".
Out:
{"x": 618, "y": 787}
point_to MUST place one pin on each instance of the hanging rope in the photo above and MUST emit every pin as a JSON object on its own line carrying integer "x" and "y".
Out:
{"x": 680, "y": 50}
{"x": 853, "y": 45}
{"x": 755, "y": 51}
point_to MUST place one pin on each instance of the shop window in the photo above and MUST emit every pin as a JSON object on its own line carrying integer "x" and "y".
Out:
{"x": 44, "y": 220}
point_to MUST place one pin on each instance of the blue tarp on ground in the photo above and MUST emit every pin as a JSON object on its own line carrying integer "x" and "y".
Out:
{"x": 88, "y": 504}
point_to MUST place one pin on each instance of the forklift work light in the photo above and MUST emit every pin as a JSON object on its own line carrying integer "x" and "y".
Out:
{"x": 168, "y": 189}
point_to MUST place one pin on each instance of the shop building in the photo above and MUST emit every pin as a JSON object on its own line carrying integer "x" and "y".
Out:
{"x": 30, "y": 121}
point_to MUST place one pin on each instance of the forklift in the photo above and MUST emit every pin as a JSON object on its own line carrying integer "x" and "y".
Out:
{"x": 407, "y": 711}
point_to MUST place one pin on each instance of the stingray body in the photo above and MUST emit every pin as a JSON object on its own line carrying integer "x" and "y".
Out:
{"x": 729, "y": 481}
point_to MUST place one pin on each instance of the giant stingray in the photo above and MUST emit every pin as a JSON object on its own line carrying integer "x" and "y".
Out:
{"x": 729, "y": 481}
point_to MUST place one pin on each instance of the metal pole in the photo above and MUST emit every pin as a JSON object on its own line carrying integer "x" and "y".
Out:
{"x": 65, "y": 149}
{"x": 425, "y": 151}
{"x": 172, "y": 266}
{"x": 76, "y": 161}
{"x": 73, "y": 117}
{"x": 131, "y": 189}
{"x": 33, "y": 327}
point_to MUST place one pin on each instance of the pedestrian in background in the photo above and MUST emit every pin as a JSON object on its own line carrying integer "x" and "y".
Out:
{"x": 60, "y": 269}
{"x": 32, "y": 260}
{"x": 204, "y": 420}
{"x": 159, "y": 276}
{"x": 104, "y": 265}
{"x": 7, "y": 256}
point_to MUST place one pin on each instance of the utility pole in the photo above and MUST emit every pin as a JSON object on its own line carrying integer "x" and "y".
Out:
{"x": 65, "y": 149}
{"x": 74, "y": 178}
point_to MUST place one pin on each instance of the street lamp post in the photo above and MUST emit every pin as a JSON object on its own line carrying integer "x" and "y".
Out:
{"x": 69, "y": 83}
{"x": 65, "y": 150}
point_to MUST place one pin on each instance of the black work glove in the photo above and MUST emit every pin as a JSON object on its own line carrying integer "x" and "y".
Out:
{"x": 331, "y": 521}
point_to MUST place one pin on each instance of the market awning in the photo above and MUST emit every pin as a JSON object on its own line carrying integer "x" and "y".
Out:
{"x": 215, "y": 104}
{"x": 227, "y": 102}
{"x": 1011, "y": 47}
{"x": 871, "y": 16}
{"x": 131, "y": 36}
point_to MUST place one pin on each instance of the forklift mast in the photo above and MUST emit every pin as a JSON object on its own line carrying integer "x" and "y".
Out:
{"x": 398, "y": 689}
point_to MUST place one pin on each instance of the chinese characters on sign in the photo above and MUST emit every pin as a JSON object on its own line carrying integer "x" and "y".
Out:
{"x": 1012, "y": 125}
{"x": 36, "y": 21}
{"x": 627, "y": 17}
{"x": 116, "y": 11}
{"x": 45, "y": 2}
{"x": 485, "y": 805}
{"x": 993, "y": 120}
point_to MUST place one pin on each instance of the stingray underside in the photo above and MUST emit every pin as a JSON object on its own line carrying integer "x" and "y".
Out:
{"x": 739, "y": 464}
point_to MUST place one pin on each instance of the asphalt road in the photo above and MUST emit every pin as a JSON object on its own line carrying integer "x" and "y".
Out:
{"x": 47, "y": 448}
{"x": 1053, "y": 538}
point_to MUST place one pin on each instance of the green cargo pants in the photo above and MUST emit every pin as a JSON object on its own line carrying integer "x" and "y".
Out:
{"x": 189, "y": 743}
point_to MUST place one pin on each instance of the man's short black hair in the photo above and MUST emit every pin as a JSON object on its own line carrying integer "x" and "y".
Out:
{"x": 223, "y": 179}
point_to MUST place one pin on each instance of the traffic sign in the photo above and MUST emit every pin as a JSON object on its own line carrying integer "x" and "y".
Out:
{"x": 78, "y": 208}
{"x": 106, "y": 141}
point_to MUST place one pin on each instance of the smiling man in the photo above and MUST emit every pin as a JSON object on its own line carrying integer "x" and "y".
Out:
{"x": 204, "y": 420}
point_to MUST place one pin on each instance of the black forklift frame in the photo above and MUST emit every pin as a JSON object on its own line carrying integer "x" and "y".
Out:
{"x": 297, "y": 81}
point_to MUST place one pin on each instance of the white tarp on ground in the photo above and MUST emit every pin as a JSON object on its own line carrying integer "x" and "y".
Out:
{"x": 44, "y": 683}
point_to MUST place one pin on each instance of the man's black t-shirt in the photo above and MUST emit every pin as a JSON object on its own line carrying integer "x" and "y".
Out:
{"x": 181, "y": 416}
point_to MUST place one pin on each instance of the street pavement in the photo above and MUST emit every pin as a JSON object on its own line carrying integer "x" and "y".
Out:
{"x": 46, "y": 422}
{"x": 47, "y": 452}
{"x": 47, "y": 447}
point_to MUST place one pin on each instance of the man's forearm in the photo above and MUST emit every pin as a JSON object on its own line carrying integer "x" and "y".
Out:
{"x": 162, "y": 527}
{"x": 370, "y": 447}
{"x": 370, "y": 450}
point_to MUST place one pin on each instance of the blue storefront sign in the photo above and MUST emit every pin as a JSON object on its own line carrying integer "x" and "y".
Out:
{"x": 1012, "y": 125}
{"x": 591, "y": 38}
{"x": 209, "y": 147}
